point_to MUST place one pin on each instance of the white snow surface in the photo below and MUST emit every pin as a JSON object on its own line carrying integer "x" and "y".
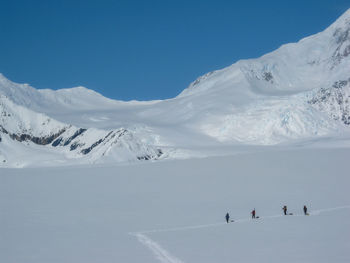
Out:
{"x": 259, "y": 134}
{"x": 289, "y": 95}
{"x": 173, "y": 211}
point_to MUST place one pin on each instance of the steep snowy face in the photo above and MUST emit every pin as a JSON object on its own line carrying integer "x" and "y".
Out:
{"x": 16, "y": 119}
{"x": 281, "y": 95}
{"x": 340, "y": 31}
{"x": 313, "y": 62}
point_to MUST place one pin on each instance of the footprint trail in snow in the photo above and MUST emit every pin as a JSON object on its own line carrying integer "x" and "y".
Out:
{"x": 160, "y": 253}
{"x": 165, "y": 257}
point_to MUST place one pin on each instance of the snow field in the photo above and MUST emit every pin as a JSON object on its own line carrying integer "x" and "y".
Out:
{"x": 261, "y": 236}
{"x": 86, "y": 214}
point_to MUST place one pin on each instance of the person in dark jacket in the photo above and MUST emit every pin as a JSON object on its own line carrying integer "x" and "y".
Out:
{"x": 284, "y": 210}
{"x": 305, "y": 210}
{"x": 227, "y": 217}
{"x": 253, "y": 213}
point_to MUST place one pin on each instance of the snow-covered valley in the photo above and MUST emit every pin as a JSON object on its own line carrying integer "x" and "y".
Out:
{"x": 103, "y": 180}
{"x": 173, "y": 211}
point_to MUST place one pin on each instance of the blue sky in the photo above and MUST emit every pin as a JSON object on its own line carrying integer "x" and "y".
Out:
{"x": 146, "y": 49}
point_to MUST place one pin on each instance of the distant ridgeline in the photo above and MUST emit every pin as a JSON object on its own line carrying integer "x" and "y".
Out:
{"x": 301, "y": 91}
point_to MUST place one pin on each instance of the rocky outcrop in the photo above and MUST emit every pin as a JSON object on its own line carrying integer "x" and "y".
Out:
{"x": 147, "y": 157}
{"x": 335, "y": 101}
{"x": 44, "y": 140}
{"x": 342, "y": 37}
{"x": 64, "y": 142}
{"x": 22, "y": 125}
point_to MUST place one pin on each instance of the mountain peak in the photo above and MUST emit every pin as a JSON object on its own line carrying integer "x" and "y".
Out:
{"x": 42, "y": 100}
{"x": 343, "y": 20}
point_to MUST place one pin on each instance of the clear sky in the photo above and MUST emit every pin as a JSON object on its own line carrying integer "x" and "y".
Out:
{"x": 146, "y": 49}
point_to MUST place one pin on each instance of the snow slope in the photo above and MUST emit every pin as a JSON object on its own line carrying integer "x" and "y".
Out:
{"x": 298, "y": 92}
{"x": 37, "y": 100}
{"x": 41, "y": 140}
{"x": 174, "y": 211}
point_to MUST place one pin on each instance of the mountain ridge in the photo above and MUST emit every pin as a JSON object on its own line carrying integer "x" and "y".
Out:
{"x": 26, "y": 126}
{"x": 301, "y": 91}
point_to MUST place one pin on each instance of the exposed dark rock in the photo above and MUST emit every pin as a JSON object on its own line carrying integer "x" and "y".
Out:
{"x": 151, "y": 157}
{"x": 268, "y": 76}
{"x": 37, "y": 140}
{"x": 342, "y": 38}
{"x": 75, "y": 135}
{"x": 145, "y": 157}
{"x": 200, "y": 79}
{"x": 57, "y": 142}
{"x": 335, "y": 101}
{"x": 61, "y": 142}
{"x": 75, "y": 145}
{"x": 108, "y": 135}
{"x": 2, "y": 129}
{"x": 160, "y": 152}
{"x": 122, "y": 132}
{"x": 87, "y": 150}
{"x": 342, "y": 35}
{"x": 57, "y": 139}
{"x": 346, "y": 51}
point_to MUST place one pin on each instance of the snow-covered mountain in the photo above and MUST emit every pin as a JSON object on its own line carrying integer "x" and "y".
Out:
{"x": 25, "y": 95}
{"x": 301, "y": 91}
{"x": 20, "y": 125}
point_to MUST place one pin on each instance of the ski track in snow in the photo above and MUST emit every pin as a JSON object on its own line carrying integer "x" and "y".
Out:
{"x": 161, "y": 254}
{"x": 315, "y": 212}
{"x": 165, "y": 257}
